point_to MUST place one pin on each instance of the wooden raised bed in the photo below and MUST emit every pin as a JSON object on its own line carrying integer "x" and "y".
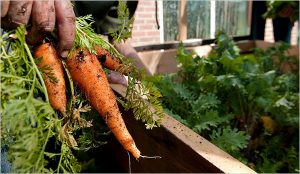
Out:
{"x": 181, "y": 149}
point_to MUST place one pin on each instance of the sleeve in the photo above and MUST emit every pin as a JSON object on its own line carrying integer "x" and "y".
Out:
{"x": 105, "y": 13}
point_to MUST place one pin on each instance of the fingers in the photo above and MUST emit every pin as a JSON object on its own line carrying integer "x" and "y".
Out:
{"x": 43, "y": 21}
{"x": 128, "y": 51}
{"x": 116, "y": 78}
{"x": 4, "y": 8}
{"x": 18, "y": 13}
{"x": 65, "y": 19}
{"x": 43, "y": 15}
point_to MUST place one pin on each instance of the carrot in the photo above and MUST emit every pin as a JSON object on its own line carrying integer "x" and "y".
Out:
{"x": 51, "y": 66}
{"x": 87, "y": 72}
{"x": 106, "y": 59}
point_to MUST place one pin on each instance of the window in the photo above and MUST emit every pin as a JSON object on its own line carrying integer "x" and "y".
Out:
{"x": 170, "y": 20}
{"x": 206, "y": 17}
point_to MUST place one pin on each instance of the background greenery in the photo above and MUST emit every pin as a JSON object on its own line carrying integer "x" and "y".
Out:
{"x": 248, "y": 105}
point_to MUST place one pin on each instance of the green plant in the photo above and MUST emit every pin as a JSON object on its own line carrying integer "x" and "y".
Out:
{"x": 275, "y": 6}
{"x": 38, "y": 139}
{"x": 239, "y": 102}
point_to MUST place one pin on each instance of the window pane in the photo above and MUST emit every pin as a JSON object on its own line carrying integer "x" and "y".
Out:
{"x": 170, "y": 18}
{"x": 204, "y": 18}
{"x": 198, "y": 19}
{"x": 232, "y": 17}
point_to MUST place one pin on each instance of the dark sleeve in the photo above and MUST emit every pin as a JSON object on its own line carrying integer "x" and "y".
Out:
{"x": 104, "y": 12}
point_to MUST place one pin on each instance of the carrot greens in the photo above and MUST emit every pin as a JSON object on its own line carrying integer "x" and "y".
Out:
{"x": 28, "y": 122}
{"x": 38, "y": 139}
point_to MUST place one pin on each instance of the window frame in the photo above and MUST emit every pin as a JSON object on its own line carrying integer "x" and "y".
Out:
{"x": 193, "y": 42}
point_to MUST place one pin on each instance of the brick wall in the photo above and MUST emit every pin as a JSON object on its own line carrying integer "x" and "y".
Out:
{"x": 145, "y": 28}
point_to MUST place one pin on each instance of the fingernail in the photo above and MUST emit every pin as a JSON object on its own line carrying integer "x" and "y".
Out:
{"x": 64, "y": 54}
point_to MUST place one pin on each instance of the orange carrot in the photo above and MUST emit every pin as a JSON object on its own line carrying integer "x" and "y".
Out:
{"x": 107, "y": 59}
{"x": 52, "y": 68}
{"x": 87, "y": 72}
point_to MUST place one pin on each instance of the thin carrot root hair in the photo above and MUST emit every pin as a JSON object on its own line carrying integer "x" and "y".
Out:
{"x": 150, "y": 157}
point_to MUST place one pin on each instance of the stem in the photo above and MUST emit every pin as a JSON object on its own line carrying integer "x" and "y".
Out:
{"x": 37, "y": 71}
{"x": 44, "y": 147}
{"x": 71, "y": 87}
{"x": 9, "y": 62}
{"x": 32, "y": 88}
{"x": 241, "y": 104}
{"x": 60, "y": 159}
{"x": 17, "y": 77}
{"x": 123, "y": 27}
{"x": 114, "y": 50}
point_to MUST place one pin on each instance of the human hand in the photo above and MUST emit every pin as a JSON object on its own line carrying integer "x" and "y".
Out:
{"x": 43, "y": 14}
{"x": 117, "y": 78}
{"x": 286, "y": 12}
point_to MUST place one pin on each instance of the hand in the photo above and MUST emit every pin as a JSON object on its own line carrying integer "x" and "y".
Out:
{"x": 128, "y": 51}
{"x": 43, "y": 14}
{"x": 286, "y": 12}
{"x": 117, "y": 78}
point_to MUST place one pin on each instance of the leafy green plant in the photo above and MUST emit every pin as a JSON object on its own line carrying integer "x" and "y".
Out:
{"x": 125, "y": 24}
{"x": 28, "y": 123}
{"x": 242, "y": 103}
{"x": 275, "y": 6}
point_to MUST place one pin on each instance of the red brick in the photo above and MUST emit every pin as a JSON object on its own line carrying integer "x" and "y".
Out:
{"x": 146, "y": 15}
{"x": 146, "y": 2}
{"x": 150, "y": 21}
{"x": 150, "y": 9}
{"x": 140, "y": 8}
{"x": 139, "y": 33}
{"x": 139, "y": 21}
{"x": 153, "y": 33}
{"x": 146, "y": 27}
{"x": 147, "y": 39}
{"x": 135, "y": 27}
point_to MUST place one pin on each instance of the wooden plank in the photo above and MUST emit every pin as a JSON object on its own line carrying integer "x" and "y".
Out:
{"x": 182, "y": 20}
{"x": 180, "y": 149}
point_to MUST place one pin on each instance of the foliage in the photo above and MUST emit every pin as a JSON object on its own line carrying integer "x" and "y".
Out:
{"x": 242, "y": 103}
{"x": 38, "y": 139}
{"x": 140, "y": 95}
{"x": 142, "y": 98}
{"x": 28, "y": 123}
{"x": 275, "y": 6}
{"x": 125, "y": 24}
{"x": 229, "y": 139}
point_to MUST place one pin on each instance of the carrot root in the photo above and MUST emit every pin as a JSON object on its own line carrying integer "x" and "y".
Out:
{"x": 52, "y": 68}
{"x": 106, "y": 59}
{"x": 87, "y": 73}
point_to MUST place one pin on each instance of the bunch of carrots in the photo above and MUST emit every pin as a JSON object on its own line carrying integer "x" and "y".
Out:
{"x": 86, "y": 71}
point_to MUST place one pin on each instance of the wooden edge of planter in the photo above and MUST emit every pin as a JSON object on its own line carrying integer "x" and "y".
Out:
{"x": 197, "y": 145}
{"x": 164, "y": 61}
